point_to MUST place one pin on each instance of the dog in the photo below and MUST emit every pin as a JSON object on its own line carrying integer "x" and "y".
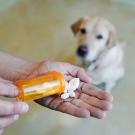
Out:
{"x": 99, "y": 51}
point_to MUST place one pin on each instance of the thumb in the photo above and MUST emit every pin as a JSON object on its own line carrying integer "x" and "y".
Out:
{"x": 80, "y": 73}
{"x": 7, "y": 88}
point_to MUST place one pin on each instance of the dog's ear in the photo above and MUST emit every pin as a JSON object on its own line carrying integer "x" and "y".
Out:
{"x": 75, "y": 26}
{"x": 112, "y": 39}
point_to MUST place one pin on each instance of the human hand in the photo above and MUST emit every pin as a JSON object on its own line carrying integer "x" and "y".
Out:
{"x": 88, "y": 101}
{"x": 9, "y": 111}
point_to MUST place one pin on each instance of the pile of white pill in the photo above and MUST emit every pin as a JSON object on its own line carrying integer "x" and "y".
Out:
{"x": 70, "y": 88}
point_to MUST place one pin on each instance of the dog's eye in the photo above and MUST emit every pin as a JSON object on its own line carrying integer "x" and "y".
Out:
{"x": 83, "y": 31}
{"x": 99, "y": 36}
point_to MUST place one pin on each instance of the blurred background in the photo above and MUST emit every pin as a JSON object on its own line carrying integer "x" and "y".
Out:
{"x": 40, "y": 29}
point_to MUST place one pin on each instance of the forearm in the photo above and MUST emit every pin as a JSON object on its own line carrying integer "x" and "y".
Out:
{"x": 12, "y": 68}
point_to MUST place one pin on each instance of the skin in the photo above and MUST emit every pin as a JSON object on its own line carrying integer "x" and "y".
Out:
{"x": 88, "y": 101}
{"x": 9, "y": 111}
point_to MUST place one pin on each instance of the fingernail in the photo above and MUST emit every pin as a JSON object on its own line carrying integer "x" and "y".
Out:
{"x": 110, "y": 107}
{"x": 16, "y": 117}
{"x": 25, "y": 108}
{"x": 86, "y": 114}
{"x": 1, "y": 131}
{"x": 104, "y": 115}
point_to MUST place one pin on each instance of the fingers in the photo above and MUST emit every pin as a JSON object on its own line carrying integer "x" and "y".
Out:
{"x": 71, "y": 109}
{"x": 95, "y": 112}
{"x": 65, "y": 107}
{"x": 79, "y": 72}
{"x": 51, "y": 102}
{"x": 7, "y": 89}
{"x": 6, "y": 121}
{"x": 11, "y": 108}
{"x": 92, "y": 91}
{"x": 54, "y": 104}
{"x": 104, "y": 105}
{"x": 68, "y": 77}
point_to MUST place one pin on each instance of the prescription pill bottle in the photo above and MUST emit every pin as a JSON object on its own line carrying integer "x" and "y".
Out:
{"x": 47, "y": 84}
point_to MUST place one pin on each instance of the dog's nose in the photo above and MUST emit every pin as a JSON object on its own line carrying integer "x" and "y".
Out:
{"x": 82, "y": 51}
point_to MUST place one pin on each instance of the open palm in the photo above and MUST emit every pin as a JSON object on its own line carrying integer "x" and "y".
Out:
{"x": 89, "y": 101}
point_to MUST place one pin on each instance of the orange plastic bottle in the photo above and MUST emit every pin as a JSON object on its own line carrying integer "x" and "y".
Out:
{"x": 47, "y": 84}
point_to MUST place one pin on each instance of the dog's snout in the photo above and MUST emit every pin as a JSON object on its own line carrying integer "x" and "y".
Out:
{"x": 82, "y": 50}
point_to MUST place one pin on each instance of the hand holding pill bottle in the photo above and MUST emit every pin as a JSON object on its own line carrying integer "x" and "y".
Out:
{"x": 68, "y": 79}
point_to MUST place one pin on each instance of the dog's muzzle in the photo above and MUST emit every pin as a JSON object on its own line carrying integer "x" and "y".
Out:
{"x": 82, "y": 51}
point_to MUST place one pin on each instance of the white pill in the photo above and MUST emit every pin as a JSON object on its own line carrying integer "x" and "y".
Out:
{"x": 65, "y": 96}
{"x": 71, "y": 93}
{"x": 74, "y": 84}
{"x": 66, "y": 87}
{"x": 65, "y": 91}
